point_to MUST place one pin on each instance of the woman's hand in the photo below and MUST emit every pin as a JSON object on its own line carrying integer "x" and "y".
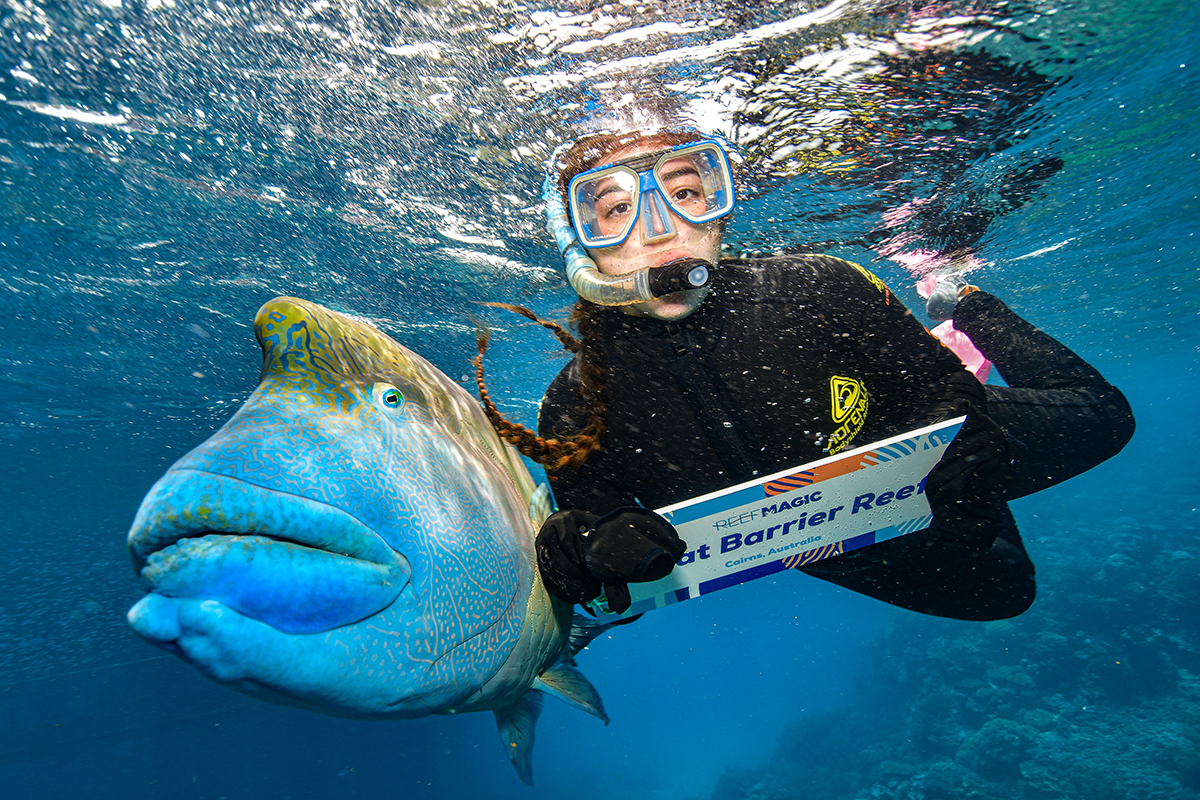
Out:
{"x": 582, "y": 557}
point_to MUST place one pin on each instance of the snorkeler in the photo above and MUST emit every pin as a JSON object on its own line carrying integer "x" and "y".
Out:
{"x": 692, "y": 374}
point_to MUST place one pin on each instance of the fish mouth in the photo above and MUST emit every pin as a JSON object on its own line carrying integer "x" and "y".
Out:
{"x": 191, "y": 503}
{"x": 298, "y": 565}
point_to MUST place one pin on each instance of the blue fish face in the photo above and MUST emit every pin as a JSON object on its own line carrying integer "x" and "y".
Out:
{"x": 355, "y": 540}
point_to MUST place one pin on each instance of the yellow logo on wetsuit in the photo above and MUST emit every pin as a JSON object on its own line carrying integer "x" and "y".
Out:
{"x": 849, "y": 396}
{"x": 878, "y": 284}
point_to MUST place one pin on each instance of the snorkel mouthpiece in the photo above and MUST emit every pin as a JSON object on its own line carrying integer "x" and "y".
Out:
{"x": 616, "y": 290}
{"x": 679, "y": 276}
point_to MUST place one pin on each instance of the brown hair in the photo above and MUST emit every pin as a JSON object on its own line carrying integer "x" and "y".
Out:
{"x": 573, "y": 450}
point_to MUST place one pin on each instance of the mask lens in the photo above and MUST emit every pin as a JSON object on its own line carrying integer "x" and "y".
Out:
{"x": 696, "y": 182}
{"x": 604, "y": 205}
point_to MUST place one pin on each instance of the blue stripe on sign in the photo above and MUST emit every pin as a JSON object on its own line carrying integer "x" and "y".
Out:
{"x": 916, "y": 524}
{"x": 892, "y": 531}
{"x": 735, "y": 578}
{"x": 896, "y": 451}
{"x": 941, "y": 437}
{"x": 717, "y": 505}
{"x": 642, "y": 606}
{"x": 855, "y": 542}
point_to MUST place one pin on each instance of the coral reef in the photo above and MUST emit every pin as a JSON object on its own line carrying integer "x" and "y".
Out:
{"x": 1094, "y": 694}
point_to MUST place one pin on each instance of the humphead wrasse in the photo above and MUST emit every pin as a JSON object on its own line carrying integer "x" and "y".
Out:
{"x": 357, "y": 541}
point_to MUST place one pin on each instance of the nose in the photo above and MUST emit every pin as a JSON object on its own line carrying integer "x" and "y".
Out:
{"x": 656, "y": 223}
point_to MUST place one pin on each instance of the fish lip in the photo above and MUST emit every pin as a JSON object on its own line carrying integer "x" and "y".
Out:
{"x": 187, "y": 503}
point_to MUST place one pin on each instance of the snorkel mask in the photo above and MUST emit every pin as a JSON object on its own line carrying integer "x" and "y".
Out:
{"x": 692, "y": 181}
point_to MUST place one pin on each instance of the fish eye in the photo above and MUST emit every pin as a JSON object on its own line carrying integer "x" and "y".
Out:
{"x": 387, "y": 395}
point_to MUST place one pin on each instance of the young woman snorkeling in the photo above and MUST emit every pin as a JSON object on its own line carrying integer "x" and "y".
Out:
{"x": 692, "y": 374}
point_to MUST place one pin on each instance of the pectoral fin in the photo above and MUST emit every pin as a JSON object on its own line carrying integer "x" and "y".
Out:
{"x": 569, "y": 685}
{"x": 585, "y": 629}
{"x": 516, "y": 722}
{"x": 541, "y": 505}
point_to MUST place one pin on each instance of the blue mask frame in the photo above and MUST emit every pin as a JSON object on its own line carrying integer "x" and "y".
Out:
{"x": 654, "y": 206}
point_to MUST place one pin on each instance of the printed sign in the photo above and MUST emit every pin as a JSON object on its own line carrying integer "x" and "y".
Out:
{"x": 798, "y": 516}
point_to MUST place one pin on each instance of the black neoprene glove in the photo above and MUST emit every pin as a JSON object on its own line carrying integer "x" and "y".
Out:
{"x": 966, "y": 486}
{"x": 581, "y": 556}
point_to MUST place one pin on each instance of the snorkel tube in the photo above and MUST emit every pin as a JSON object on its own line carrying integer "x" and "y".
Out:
{"x": 616, "y": 290}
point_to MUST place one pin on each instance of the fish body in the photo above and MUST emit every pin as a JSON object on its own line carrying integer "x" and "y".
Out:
{"x": 356, "y": 540}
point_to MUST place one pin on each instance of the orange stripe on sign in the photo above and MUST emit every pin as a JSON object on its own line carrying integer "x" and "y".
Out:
{"x": 793, "y": 562}
{"x": 788, "y": 483}
{"x": 843, "y": 466}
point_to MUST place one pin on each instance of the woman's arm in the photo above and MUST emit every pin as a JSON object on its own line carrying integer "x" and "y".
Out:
{"x": 970, "y": 563}
{"x": 1060, "y": 415}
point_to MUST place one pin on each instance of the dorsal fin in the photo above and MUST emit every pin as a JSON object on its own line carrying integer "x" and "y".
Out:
{"x": 516, "y": 722}
{"x": 569, "y": 685}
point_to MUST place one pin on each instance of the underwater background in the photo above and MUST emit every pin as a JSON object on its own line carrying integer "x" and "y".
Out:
{"x": 166, "y": 167}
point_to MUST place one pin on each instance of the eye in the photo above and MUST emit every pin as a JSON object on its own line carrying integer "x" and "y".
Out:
{"x": 387, "y": 396}
{"x": 619, "y": 210}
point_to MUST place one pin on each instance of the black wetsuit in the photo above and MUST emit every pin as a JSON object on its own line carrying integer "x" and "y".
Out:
{"x": 790, "y": 359}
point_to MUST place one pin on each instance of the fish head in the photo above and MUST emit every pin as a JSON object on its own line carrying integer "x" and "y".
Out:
{"x": 355, "y": 539}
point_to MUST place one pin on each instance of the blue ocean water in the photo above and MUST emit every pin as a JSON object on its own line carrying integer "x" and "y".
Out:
{"x": 166, "y": 167}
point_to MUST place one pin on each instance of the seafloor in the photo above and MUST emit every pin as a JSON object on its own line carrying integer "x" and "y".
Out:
{"x": 1094, "y": 694}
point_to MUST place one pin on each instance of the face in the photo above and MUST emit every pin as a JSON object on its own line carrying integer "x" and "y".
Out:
{"x": 616, "y": 202}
